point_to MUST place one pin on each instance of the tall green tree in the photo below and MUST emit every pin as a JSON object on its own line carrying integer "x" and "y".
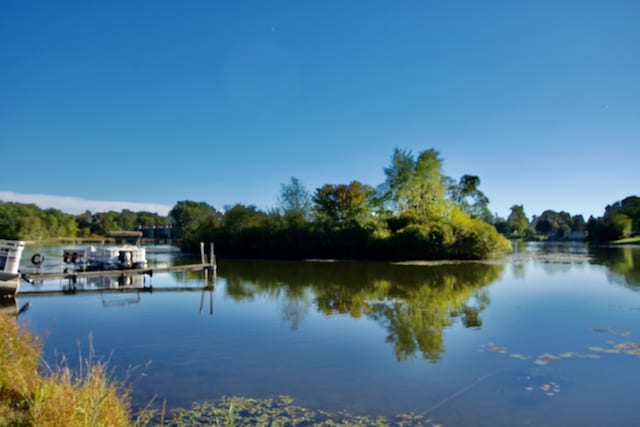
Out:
{"x": 239, "y": 217}
{"x": 467, "y": 195}
{"x": 294, "y": 202}
{"x": 630, "y": 207}
{"x": 398, "y": 179}
{"x": 517, "y": 221}
{"x": 416, "y": 186}
{"x": 103, "y": 222}
{"x": 188, "y": 216}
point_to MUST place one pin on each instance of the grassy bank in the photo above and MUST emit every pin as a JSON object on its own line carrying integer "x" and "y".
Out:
{"x": 627, "y": 241}
{"x": 32, "y": 395}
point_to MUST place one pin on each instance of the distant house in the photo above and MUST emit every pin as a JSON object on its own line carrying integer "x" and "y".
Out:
{"x": 577, "y": 235}
{"x": 156, "y": 231}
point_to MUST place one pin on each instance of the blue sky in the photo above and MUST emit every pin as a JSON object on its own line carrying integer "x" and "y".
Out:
{"x": 125, "y": 102}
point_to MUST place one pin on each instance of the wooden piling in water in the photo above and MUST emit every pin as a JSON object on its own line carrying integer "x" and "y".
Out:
{"x": 212, "y": 258}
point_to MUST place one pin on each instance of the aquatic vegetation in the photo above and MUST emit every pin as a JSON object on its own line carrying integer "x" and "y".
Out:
{"x": 280, "y": 411}
{"x": 552, "y": 388}
{"x": 548, "y": 389}
{"x": 629, "y": 348}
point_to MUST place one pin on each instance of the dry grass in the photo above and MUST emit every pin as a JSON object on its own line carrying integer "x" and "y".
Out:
{"x": 58, "y": 396}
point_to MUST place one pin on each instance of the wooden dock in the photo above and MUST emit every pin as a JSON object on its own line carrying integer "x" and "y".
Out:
{"x": 206, "y": 265}
{"x": 37, "y": 277}
{"x": 73, "y": 277}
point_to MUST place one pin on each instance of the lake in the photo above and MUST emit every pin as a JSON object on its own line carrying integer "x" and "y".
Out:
{"x": 549, "y": 336}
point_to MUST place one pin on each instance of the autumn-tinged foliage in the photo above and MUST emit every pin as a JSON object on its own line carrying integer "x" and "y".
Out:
{"x": 340, "y": 206}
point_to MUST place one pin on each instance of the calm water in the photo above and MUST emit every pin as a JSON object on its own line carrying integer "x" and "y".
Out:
{"x": 546, "y": 338}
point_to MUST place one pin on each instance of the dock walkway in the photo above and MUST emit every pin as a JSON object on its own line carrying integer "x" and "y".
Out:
{"x": 124, "y": 272}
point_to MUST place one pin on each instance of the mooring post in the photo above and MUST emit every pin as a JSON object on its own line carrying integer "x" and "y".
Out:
{"x": 203, "y": 261}
{"x": 212, "y": 257}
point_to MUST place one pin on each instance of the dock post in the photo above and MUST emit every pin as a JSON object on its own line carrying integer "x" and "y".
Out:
{"x": 202, "y": 258}
{"x": 212, "y": 258}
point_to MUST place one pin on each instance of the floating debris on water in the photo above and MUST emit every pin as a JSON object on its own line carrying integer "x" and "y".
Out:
{"x": 549, "y": 356}
{"x": 629, "y": 348}
{"x": 496, "y": 349}
{"x": 491, "y": 347}
{"x": 605, "y": 329}
{"x": 546, "y": 358}
{"x": 550, "y": 389}
{"x": 520, "y": 356}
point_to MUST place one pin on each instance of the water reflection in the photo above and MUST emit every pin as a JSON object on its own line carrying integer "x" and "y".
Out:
{"x": 9, "y": 305}
{"x": 119, "y": 300}
{"x": 623, "y": 264}
{"x": 544, "y": 349}
{"x": 413, "y": 303}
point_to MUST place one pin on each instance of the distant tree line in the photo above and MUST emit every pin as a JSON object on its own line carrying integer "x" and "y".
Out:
{"x": 417, "y": 213}
{"x": 29, "y": 222}
{"x": 620, "y": 220}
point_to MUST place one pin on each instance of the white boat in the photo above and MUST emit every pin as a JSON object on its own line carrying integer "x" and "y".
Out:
{"x": 10, "y": 255}
{"x": 109, "y": 257}
{"x": 112, "y": 257}
{"x": 117, "y": 257}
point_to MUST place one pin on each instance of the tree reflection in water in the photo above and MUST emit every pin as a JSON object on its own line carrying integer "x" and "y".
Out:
{"x": 413, "y": 303}
{"x": 622, "y": 262}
